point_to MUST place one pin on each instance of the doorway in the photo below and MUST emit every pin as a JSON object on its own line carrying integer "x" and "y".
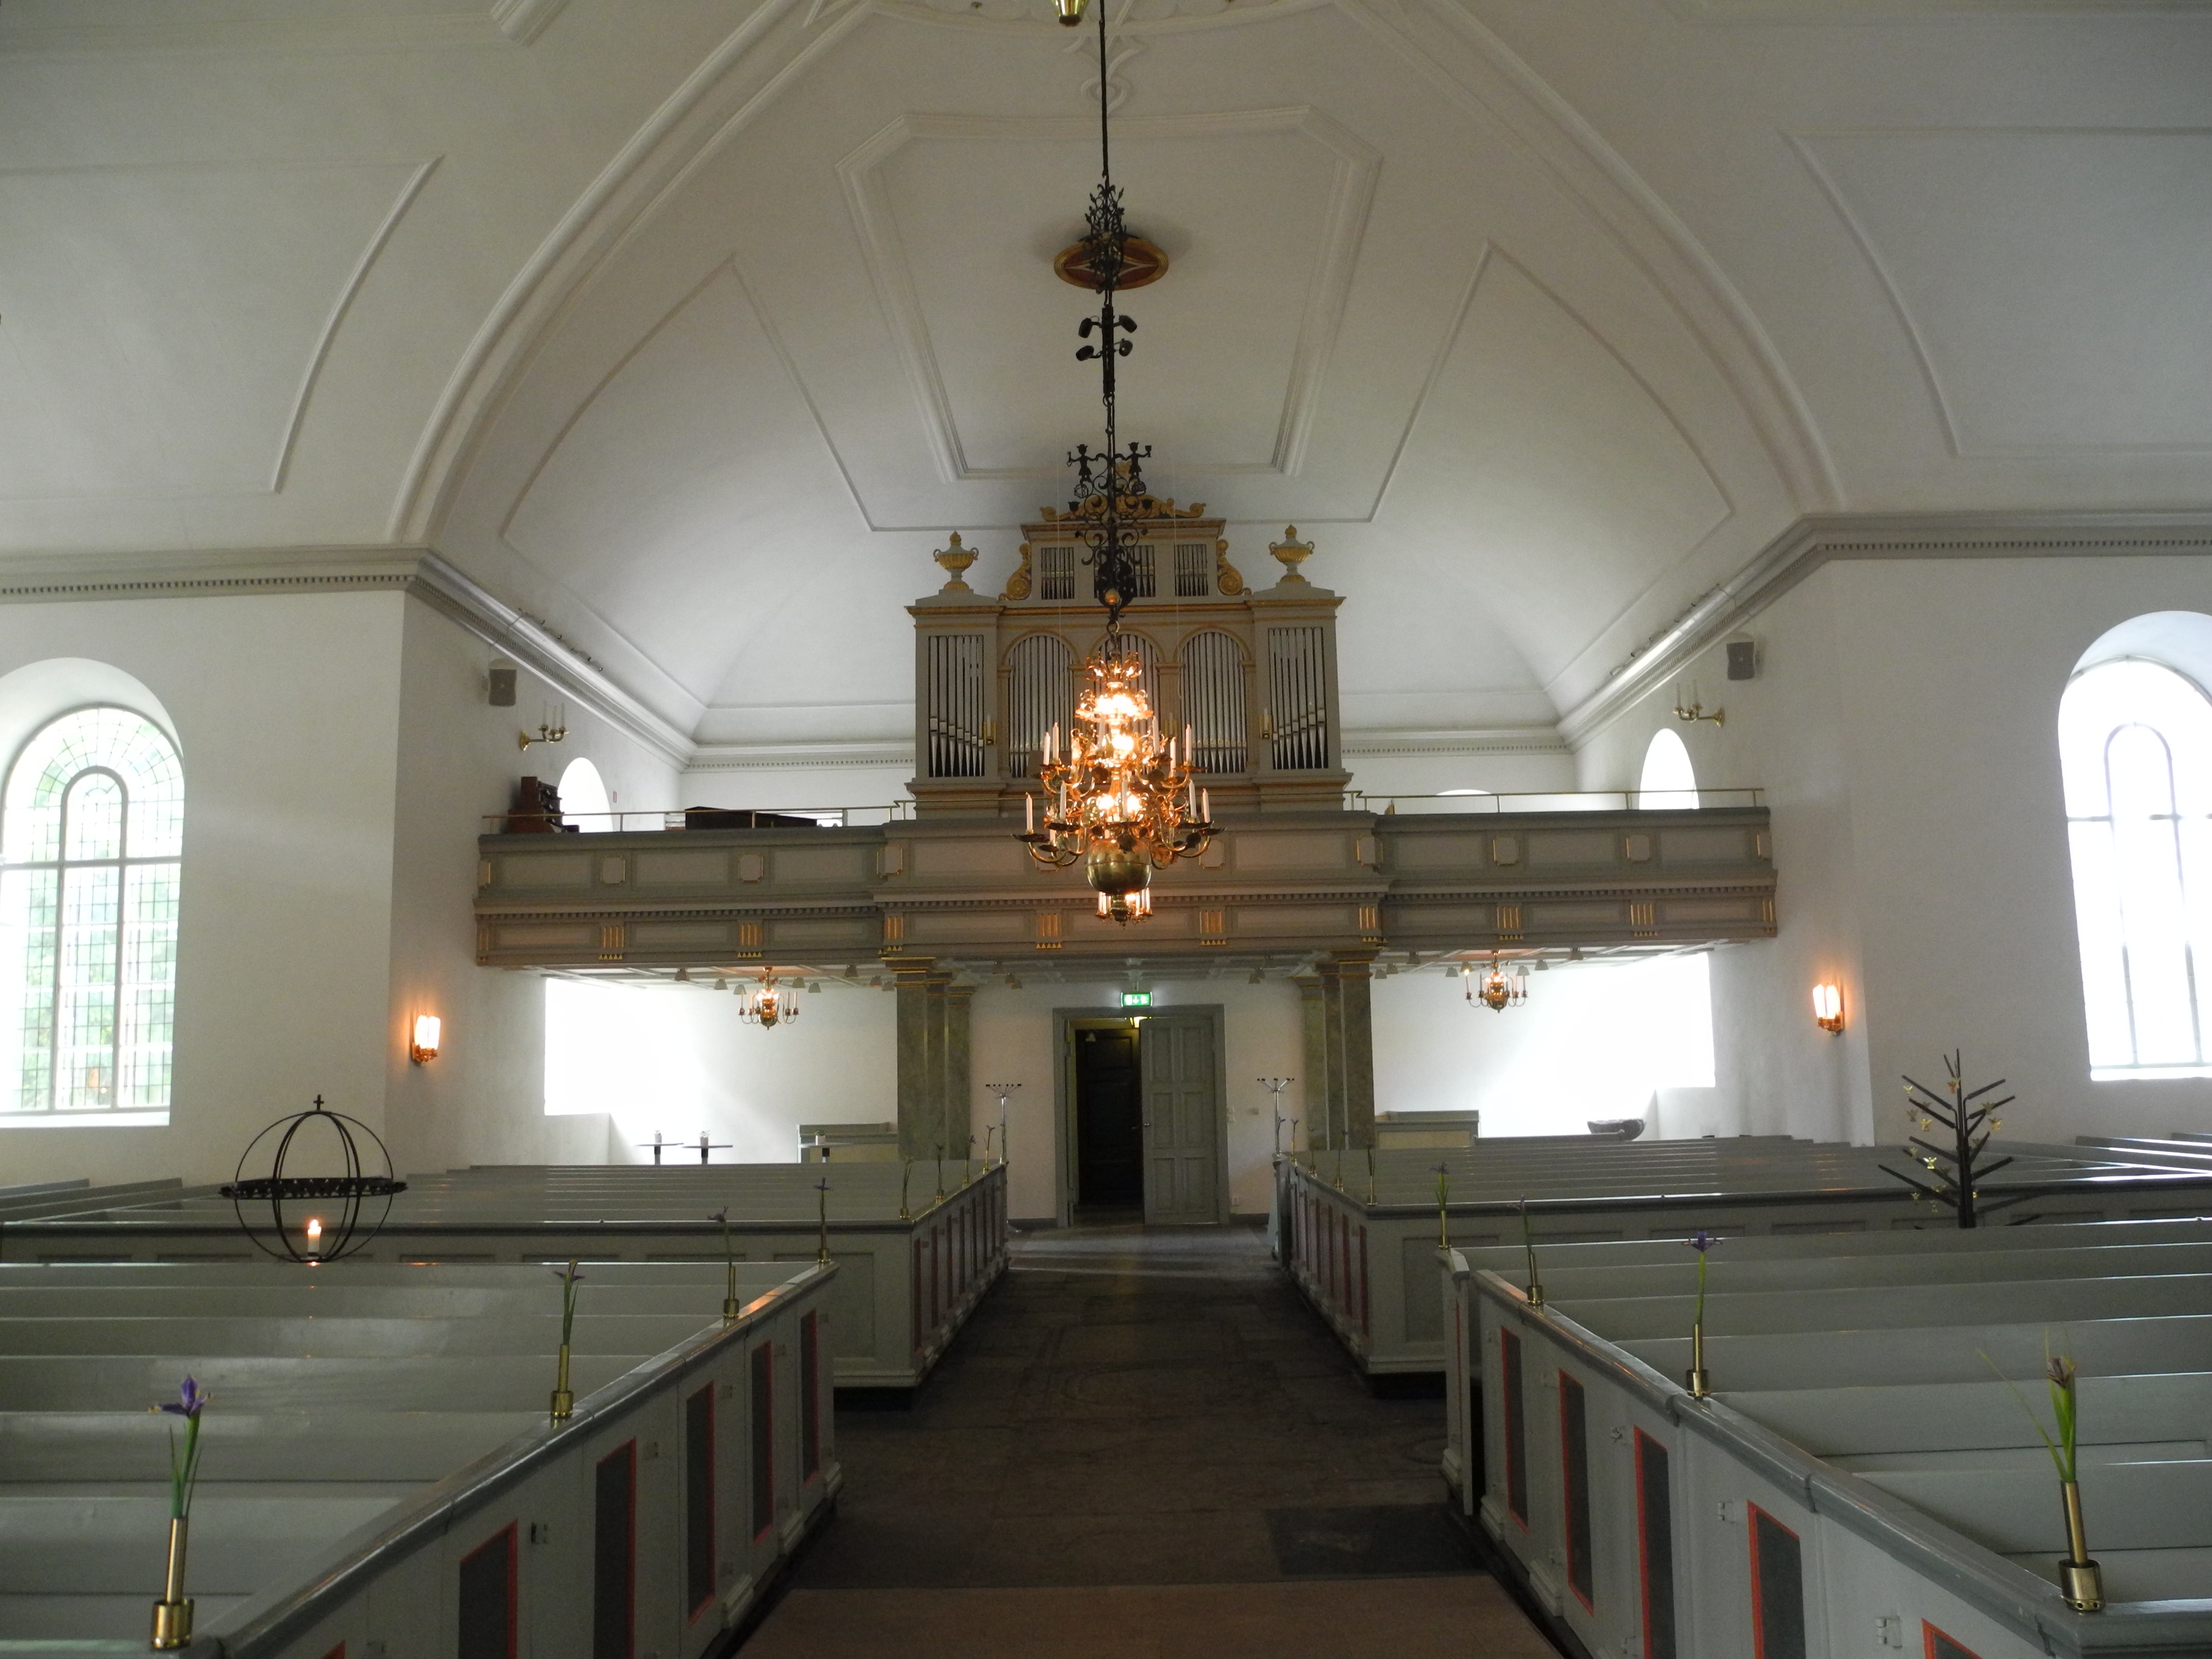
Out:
{"x": 1109, "y": 1122}
{"x": 1142, "y": 1121}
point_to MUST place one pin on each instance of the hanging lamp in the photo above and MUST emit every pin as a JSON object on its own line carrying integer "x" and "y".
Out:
{"x": 1499, "y": 990}
{"x": 1119, "y": 795}
{"x": 767, "y": 1007}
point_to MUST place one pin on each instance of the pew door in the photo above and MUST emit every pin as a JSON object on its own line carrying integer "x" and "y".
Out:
{"x": 1184, "y": 1124}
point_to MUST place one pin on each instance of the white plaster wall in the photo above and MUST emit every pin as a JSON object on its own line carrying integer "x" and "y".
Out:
{"x": 674, "y": 1059}
{"x": 1593, "y": 1040}
{"x": 286, "y": 712}
{"x": 481, "y": 1100}
{"x": 1904, "y": 726}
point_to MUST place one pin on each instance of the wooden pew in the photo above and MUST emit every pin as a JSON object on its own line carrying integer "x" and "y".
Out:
{"x": 357, "y": 1461}
{"x": 909, "y": 1284}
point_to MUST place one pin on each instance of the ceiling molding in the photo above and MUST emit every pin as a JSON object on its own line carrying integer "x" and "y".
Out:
{"x": 316, "y": 359}
{"x": 964, "y": 13}
{"x": 498, "y": 24}
{"x": 713, "y": 104}
{"x": 1328, "y": 287}
{"x": 538, "y": 648}
{"x": 56, "y": 579}
{"x": 524, "y": 21}
{"x": 1821, "y": 539}
{"x": 1465, "y": 59}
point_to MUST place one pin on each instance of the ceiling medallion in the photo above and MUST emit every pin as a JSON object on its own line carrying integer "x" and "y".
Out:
{"x": 1143, "y": 263}
{"x": 1119, "y": 796}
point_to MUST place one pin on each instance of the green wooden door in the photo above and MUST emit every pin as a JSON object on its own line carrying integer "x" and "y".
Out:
{"x": 1182, "y": 1107}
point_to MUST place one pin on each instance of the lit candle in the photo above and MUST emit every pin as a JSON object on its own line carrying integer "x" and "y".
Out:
{"x": 314, "y": 1236}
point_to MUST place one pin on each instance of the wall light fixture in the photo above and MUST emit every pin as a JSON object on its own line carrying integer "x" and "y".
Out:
{"x": 1828, "y": 1007}
{"x": 424, "y": 1048}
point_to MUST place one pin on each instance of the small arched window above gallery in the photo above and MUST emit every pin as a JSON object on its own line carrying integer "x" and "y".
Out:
{"x": 584, "y": 799}
{"x": 2134, "y": 753}
{"x": 1668, "y": 782}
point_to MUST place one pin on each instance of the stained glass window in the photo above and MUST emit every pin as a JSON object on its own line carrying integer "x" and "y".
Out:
{"x": 2135, "y": 749}
{"x": 91, "y": 829}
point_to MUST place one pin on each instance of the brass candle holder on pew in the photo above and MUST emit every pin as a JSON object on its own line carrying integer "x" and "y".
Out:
{"x": 1700, "y": 1384}
{"x": 173, "y": 1614}
{"x": 564, "y": 1403}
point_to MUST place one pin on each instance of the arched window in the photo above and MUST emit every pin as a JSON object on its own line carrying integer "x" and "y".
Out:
{"x": 2135, "y": 749}
{"x": 91, "y": 829}
{"x": 1668, "y": 779}
{"x": 583, "y": 794}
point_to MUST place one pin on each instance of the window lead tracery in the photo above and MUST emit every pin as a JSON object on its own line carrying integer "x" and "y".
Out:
{"x": 91, "y": 832}
{"x": 2134, "y": 743}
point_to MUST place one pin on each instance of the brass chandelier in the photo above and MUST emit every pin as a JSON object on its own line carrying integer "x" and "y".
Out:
{"x": 1497, "y": 990}
{"x": 1119, "y": 797}
{"x": 767, "y": 1007}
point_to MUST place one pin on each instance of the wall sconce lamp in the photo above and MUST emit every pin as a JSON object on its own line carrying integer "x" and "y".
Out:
{"x": 424, "y": 1048}
{"x": 1828, "y": 1007}
{"x": 1691, "y": 712}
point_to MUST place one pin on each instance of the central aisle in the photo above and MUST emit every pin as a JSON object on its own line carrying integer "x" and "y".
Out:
{"x": 1144, "y": 1444}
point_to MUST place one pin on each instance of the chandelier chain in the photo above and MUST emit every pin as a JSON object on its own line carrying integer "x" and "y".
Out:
{"x": 1119, "y": 794}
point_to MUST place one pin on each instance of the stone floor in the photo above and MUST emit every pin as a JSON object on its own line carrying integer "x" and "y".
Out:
{"x": 1144, "y": 1444}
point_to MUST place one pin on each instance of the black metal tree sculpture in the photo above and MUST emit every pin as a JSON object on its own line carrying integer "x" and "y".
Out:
{"x": 331, "y": 1216}
{"x": 1951, "y": 1176}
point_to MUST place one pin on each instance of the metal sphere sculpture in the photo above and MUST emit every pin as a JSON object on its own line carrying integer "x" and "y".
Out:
{"x": 313, "y": 1217}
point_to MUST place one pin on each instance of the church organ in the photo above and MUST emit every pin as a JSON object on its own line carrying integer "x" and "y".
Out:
{"x": 1253, "y": 673}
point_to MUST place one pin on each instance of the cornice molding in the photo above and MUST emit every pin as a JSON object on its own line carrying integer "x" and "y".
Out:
{"x": 61, "y": 578}
{"x": 1817, "y": 539}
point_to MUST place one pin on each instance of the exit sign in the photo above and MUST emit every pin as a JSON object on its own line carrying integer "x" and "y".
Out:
{"x": 1136, "y": 999}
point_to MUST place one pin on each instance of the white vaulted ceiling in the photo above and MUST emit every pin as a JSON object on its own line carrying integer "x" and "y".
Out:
{"x": 691, "y": 326}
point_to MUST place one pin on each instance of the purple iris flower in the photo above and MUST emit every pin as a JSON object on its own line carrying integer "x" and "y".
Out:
{"x": 721, "y": 1215}
{"x": 189, "y": 1402}
{"x": 1701, "y": 1241}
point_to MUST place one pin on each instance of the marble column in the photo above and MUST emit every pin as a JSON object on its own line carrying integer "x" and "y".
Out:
{"x": 959, "y": 1091}
{"x": 933, "y": 1105}
{"x": 920, "y": 1122}
{"x": 1356, "y": 1045}
{"x": 1313, "y": 1027}
{"x": 1332, "y": 1021}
